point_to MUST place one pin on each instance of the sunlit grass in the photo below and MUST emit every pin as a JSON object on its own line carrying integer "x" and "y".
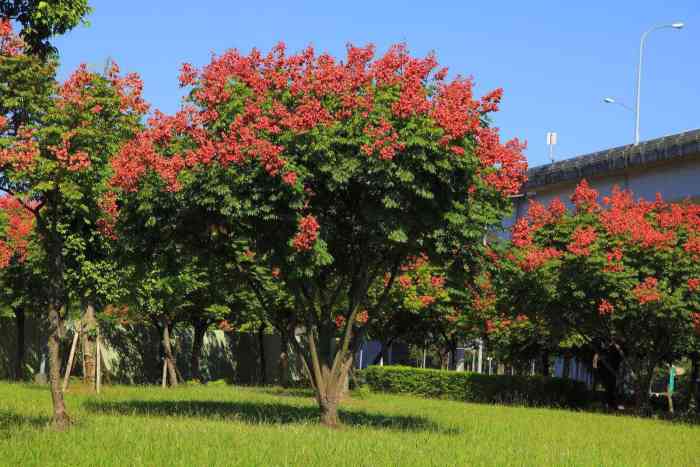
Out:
{"x": 226, "y": 425}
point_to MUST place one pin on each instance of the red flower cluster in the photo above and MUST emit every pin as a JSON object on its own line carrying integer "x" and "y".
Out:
{"x": 74, "y": 162}
{"x": 405, "y": 281}
{"x": 646, "y": 292}
{"x": 10, "y": 44}
{"x": 362, "y": 317}
{"x": 300, "y": 92}
{"x": 695, "y": 317}
{"x": 521, "y": 233}
{"x": 534, "y": 258}
{"x": 585, "y": 198}
{"x": 307, "y": 233}
{"x": 110, "y": 210}
{"x": 614, "y": 261}
{"x": 605, "y": 308}
{"x": 582, "y": 238}
{"x": 426, "y": 300}
{"x": 22, "y": 154}
{"x": 17, "y": 230}
{"x": 693, "y": 284}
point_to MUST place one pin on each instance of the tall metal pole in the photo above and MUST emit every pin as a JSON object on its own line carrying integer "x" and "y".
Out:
{"x": 677, "y": 25}
{"x": 638, "y": 95}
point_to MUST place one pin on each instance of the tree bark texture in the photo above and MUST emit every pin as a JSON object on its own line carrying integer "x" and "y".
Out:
{"x": 168, "y": 353}
{"x": 89, "y": 326}
{"x": 19, "y": 363}
{"x": 60, "y": 420}
{"x": 200, "y": 329}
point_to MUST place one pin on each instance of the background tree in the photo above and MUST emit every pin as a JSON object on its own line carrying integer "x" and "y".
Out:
{"x": 623, "y": 276}
{"x": 41, "y": 20}
{"x": 57, "y": 167}
{"x": 337, "y": 172}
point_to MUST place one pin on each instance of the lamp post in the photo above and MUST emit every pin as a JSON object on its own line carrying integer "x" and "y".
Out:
{"x": 677, "y": 25}
{"x": 612, "y": 100}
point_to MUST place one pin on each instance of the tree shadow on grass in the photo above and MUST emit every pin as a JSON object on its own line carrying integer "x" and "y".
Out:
{"x": 263, "y": 413}
{"x": 10, "y": 421}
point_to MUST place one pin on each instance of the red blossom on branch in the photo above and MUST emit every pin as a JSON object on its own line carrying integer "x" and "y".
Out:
{"x": 581, "y": 240}
{"x": 585, "y": 198}
{"x": 647, "y": 292}
{"x": 605, "y": 308}
{"x": 307, "y": 233}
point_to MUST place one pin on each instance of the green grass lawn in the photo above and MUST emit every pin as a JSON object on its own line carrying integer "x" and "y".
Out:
{"x": 225, "y": 425}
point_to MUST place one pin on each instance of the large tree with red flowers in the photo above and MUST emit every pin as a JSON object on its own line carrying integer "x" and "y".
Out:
{"x": 622, "y": 274}
{"x": 55, "y": 148}
{"x": 335, "y": 172}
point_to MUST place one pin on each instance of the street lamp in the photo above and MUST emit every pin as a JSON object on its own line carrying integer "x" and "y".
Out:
{"x": 677, "y": 25}
{"x": 612, "y": 100}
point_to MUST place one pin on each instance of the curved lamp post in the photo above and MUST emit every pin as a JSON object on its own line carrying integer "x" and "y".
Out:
{"x": 677, "y": 25}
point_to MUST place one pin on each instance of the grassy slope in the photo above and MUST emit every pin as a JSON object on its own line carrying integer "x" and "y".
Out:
{"x": 245, "y": 426}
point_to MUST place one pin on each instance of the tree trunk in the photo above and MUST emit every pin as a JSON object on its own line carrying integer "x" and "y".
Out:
{"x": 19, "y": 363}
{"x": 284, "y": 360}
{"x": 60, "y": 420}
{"x": 89, "y": 326}
{"x": 200, "y": 329}
{"x": 261, "y": 352}
{"x": 694, "y": 404}
{"x": 168, "y": 352}
{"x": 545, "y": 363}
{"x": 329, "y": 410}
{"x": 566, "y": 367}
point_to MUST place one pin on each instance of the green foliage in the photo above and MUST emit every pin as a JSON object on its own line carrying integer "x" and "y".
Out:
{"x": 43, "y": 19}
{"x": 474, "y": 387}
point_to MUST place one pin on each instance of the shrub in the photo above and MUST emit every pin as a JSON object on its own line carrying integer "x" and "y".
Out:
{"x": 474, "y": 387}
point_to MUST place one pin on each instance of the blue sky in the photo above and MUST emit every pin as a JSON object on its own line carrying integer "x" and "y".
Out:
{"x": 556, "y": 60}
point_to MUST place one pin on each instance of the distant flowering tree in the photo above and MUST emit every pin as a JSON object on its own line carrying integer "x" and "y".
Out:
{"x": 336, "y": 173}
{"x": 621, "y": 274}
{"x": 55, "y": 146}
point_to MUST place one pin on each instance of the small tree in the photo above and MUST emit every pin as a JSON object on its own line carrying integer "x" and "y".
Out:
{"x": 56, "y": 166}
{"x": 337, "y": 173}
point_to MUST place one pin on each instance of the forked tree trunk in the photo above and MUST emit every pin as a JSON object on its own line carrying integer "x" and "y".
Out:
{"x": 60, "y": 420}
{"x": 328, "y": 369}
{"x": 169, "y": 356}
{"x": 89, "y": 325}
{"x": 200, "y": 329}
{"x": 19, "y": 363}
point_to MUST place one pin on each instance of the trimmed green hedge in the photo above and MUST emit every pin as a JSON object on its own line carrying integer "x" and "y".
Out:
{"x": 474, "y": 387}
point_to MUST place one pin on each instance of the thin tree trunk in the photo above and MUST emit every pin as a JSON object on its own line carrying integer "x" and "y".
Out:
{"x": 694, "y": 382}
{"x": 261, "y": 352}
{"x": 89, "y": 326}
{"x": 168, "y": 351}
{"x": 61, "y": 420}
{"x": 545, "y": 363}
{"x": 200, "y": 329}
{"x": 566, "y": 367}
{"x": 19, "y": 363}
{"x": 284, "y": 360}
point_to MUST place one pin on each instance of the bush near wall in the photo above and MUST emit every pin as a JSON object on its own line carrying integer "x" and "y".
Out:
{"x": 474, "y": 387}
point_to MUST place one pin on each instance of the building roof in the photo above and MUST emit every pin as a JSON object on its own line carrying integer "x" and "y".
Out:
{"x": 666, "y": 149}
